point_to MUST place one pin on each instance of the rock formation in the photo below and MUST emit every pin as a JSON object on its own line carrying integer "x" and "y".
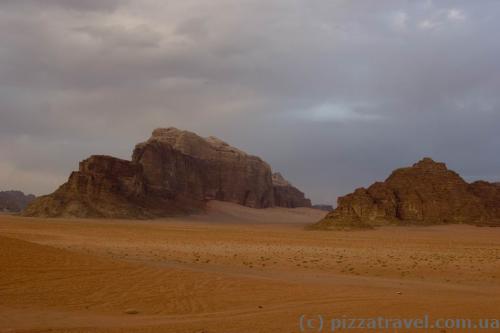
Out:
{"x": 104, "y": 186}
{"x": 212, "y": 170}
{"x": 173, "y": 172}
{"x": 489, "y": 193}
{"x": 14, "y": 201}
{"x": 426, "y": 193}
{"x": 286, "y": 195}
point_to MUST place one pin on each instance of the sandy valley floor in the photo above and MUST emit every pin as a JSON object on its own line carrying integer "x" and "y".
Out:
{"x": 237, "y": 270}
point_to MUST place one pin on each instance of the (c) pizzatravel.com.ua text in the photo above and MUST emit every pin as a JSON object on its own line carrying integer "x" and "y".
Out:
{"x": 319, "y": 323}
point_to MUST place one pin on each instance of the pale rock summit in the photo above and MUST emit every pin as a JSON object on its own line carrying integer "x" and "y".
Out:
{"x": 278, "y": 180}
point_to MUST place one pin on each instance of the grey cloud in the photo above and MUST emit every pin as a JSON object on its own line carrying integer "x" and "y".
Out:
{"x": 334, "y": 94}
{"x": 76, "y": 5}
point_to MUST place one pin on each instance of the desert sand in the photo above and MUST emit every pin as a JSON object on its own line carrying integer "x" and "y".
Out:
{"x": 237, "y": 269}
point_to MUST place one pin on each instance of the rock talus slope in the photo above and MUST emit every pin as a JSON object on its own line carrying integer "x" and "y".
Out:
{"x": 425, "y": 193}
{"x": 173, "y": 172}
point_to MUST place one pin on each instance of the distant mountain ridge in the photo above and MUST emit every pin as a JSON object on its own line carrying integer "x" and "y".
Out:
{"x": 14, "y": 201}
{"x": 324, "y": 207}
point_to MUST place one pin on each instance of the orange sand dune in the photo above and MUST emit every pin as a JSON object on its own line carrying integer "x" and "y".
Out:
{"x": 228, "y": 271}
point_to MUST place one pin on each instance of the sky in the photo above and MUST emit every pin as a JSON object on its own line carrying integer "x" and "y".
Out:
{"x": 334, "y": 94}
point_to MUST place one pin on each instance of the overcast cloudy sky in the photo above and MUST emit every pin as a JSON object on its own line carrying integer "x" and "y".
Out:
{"x": 334, "y": 94}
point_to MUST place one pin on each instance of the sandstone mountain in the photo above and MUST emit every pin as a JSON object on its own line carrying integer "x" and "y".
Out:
{"x": 426, "y": 193}
{"x": 174, "y": 172}
{"x": 14, "y": 201}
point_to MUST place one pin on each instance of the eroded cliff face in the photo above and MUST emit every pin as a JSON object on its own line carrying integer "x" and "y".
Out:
{"x": 104, "y": 186}
{"x": 287, "y": 195}
{"x": 174, "y": 172}
{"x": 425, "y": 193}
{"x": 208, "y": 168}
{"x": 489, "y": 193}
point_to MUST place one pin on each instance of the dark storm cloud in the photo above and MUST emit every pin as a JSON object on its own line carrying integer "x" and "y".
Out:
{"x": 334, "y": 94}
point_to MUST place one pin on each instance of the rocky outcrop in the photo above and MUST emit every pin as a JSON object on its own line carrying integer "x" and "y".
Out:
{"x": 426, "y": 193}
{"x": 174, "y": 172}
{"x": 286, "y": 195}
{"x": 104, "y": 186}
{"x": 14, "y": 201}
{"x": 489, "y": 193}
